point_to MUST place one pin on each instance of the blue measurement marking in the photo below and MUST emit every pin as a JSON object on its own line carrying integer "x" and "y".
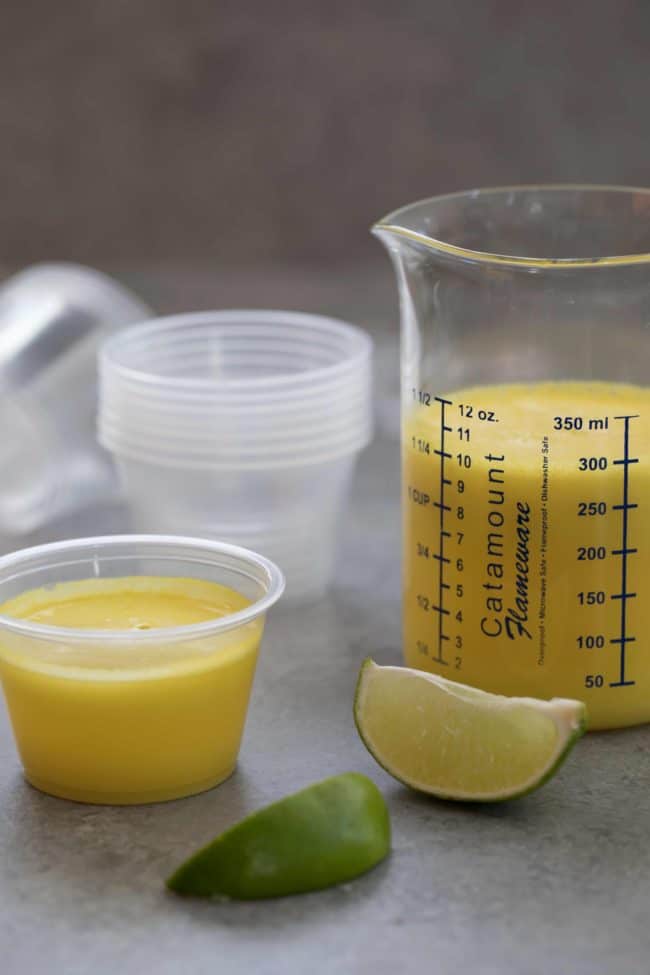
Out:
{"x": 440, "y": 557}
{"x": 624, "y": 552}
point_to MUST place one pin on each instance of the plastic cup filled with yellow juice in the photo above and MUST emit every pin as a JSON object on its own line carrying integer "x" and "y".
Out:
{"x": 127, "y": 662}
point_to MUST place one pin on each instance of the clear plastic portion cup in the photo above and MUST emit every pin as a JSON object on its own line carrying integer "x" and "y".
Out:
{"x": 242, "y": 425}
{"x": 131, "y": 716}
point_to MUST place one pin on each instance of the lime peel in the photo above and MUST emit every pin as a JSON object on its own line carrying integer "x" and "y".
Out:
{"x": 453, "y": 741}
{"x": 326, "y": 834}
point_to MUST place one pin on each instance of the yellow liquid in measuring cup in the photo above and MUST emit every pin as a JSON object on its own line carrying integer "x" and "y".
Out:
{"x": 93, "y": 727}
{"x": 527, "y": 542}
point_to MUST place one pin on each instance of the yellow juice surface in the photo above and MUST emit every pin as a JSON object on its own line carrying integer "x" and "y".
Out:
{"x": 526, "y": 531}
{"x": 133, "y": 723}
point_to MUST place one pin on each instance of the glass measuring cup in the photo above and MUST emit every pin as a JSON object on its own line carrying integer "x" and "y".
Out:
{"x": 525, "y": 361}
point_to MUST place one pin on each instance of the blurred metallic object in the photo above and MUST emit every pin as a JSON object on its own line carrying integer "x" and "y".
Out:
{"x": 52, "y": 317}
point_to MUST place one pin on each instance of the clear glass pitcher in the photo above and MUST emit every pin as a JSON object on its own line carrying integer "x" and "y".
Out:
{"x": 526, "y": 441}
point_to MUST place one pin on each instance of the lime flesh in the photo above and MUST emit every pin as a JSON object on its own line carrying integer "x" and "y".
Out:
{"x": 457, "y": 742}
{"x": 328, "y": 833}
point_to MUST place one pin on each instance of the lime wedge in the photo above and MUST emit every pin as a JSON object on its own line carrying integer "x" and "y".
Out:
{"x": 326, "y": 834}
{"x": 456, "y": 742}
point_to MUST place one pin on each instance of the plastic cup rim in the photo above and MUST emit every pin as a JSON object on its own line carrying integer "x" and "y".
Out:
{"x": 234, "y": 461}
{"x": 287, "y": 461}
{"x": 348, "y": 385}
{"x": 346, "y": 398}
{"x": 266, "y": 440}
{"x": 172, "y": 634}
{"x": 297, "y": 388}
{"x": 232, "y": 456}
{"x": 361, "y": 341}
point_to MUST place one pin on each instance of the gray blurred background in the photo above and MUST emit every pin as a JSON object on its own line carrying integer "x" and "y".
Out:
{"x": 210, "y": 133}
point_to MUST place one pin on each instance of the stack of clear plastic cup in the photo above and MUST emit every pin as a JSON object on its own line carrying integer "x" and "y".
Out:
{"x": 243, "y": 426}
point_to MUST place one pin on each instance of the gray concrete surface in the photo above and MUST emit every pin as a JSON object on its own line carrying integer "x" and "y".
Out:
{"x": 554, "y": 883}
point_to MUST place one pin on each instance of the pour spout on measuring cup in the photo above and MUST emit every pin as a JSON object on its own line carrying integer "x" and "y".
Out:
{"x": 412, "y": 254}
{"x": 394, "y": 235}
